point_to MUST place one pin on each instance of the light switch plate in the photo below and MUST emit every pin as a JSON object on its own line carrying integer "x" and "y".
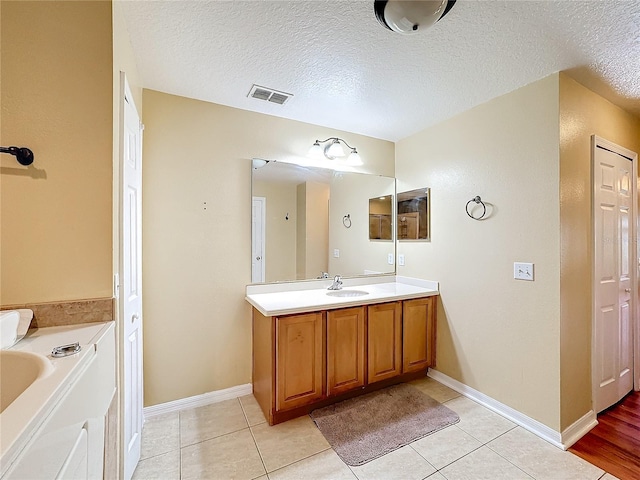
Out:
{"x": 401, "y": 259}
{"x": 390, "y": 258}
{"x": 523, "y": 271}
{"x": 336, "y": 253}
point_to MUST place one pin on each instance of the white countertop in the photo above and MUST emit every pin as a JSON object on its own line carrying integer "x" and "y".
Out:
{"x": 290, "y": 298}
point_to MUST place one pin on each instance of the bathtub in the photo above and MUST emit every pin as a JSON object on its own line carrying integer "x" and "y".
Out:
{"x": 53, "y": 414}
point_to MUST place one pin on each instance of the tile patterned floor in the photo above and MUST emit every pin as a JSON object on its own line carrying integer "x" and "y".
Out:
{"x": 231, "y": 440}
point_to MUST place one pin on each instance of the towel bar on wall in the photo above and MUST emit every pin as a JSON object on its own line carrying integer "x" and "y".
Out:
{"x": 22, "y": 154}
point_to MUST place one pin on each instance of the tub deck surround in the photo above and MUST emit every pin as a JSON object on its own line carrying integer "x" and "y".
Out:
{"x": 68, "y": 312}
{"x": 23, "y": 417}
{"x": 298, "y": 297}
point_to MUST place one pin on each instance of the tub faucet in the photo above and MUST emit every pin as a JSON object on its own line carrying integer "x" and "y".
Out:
{"x": 337, "y": 283}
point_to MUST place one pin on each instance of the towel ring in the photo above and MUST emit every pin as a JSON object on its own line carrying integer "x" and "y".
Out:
{"x": 478, "y": 201}
{"x": 346, "y": 220}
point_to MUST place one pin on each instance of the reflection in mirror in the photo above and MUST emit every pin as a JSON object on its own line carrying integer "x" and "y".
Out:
{"x": 413, "y": 215}
{"x": 297, "y": 223}
{"x": 380, "y": 218}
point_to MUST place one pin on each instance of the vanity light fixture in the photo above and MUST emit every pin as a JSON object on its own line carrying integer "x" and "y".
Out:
{"x": 333, "y": 150}
{"x": 258, "y": 163}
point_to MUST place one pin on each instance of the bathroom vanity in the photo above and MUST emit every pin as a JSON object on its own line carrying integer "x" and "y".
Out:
{"x": 312, "y": 348}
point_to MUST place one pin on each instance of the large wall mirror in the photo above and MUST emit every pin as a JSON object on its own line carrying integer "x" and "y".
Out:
{"x": 307, "y": 221}
{"x": 413, "y": 215}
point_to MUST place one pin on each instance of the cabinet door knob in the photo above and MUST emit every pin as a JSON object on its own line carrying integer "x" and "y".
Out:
{"x": 258, "y": 258}
{"x": 628, "y": 290}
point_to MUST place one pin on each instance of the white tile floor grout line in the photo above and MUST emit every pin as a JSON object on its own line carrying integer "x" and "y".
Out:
{"x": 264, "y": 465}
{"x": 453, "y": 450}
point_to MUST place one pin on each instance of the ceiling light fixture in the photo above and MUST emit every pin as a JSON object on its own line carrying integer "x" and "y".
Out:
{"x": 410, "y": 16}
{"x": 333, "y": 150}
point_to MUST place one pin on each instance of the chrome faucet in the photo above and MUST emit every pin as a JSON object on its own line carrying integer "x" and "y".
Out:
{"x": 337, "y": 283}
{"x": 323, "y": 275}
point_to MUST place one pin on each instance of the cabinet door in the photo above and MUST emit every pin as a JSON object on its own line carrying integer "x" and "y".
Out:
{"x": 418, "y": 336}
{"x": 299, "y": 360}
{"x": 345, "y": 349}
{"x": 384, "y": 341}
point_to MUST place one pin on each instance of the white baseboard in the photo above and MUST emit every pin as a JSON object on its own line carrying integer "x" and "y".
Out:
{"x": 561, "y": 440}
{"x": 579, "y": 429}
{"x": 198, "y": 400}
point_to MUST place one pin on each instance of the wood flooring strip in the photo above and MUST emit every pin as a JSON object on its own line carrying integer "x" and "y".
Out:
{"x": 627, "y": 436}
{"x": 614, "y": 444}
{"x": 608, "y": 457}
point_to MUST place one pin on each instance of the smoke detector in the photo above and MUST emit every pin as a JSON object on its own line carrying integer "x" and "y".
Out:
{"x": 269, "y": 94}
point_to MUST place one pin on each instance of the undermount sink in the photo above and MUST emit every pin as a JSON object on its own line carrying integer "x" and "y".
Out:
{"x": 347, "y": 293}
{"x": 18, "y": 370}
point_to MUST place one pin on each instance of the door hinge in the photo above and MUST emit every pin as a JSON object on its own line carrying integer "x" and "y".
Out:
{"x": 116, "y": 286}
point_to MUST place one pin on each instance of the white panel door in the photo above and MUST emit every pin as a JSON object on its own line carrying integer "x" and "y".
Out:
{"x": 258, "y": 215}
{"x": 131, "y": 285}
{"x": 614, "y": 206}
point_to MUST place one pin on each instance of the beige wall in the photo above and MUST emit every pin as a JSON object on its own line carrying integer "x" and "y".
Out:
{"x": 56, "y": 217}
{"x": 301, "y": 231}
{"x": 197, "y": 262}
{"x": 582, "y": 114}
{"x": 280, "y": 232}
{"x": 317, "y": 229}
{"x": 495, "y": 334}
{"x": 312, "y": 242}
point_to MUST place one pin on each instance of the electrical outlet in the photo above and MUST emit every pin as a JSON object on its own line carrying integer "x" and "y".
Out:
{"x": 336, "y": 253}
{"x": 390, "y": 258}
{"x": 523, "y": 271}
{"x": 401, "y": 259}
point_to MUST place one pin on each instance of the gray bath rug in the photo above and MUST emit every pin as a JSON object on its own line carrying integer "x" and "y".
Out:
{"x": 366, "y": 427}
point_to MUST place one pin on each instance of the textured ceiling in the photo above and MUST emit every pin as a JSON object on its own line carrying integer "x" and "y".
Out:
{"x": 347, "y": 72}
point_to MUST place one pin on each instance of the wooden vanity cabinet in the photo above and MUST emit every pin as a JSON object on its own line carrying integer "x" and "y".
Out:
{"x": 419, "y": 334}
{"x": 288, "y": 362}
{"x": 299, "y": 360}
{"x": 384, "y": 341}
{"x": 310, "y": 360}
{"x": 345, "y": 349}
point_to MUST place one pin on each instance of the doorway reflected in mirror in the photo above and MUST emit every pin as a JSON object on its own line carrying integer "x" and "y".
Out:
{"x": 381, "y": 218}
{"x": 413, "y": 215}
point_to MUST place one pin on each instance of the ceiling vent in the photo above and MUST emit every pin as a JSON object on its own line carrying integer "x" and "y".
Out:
{"x": 269, "y": 94}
